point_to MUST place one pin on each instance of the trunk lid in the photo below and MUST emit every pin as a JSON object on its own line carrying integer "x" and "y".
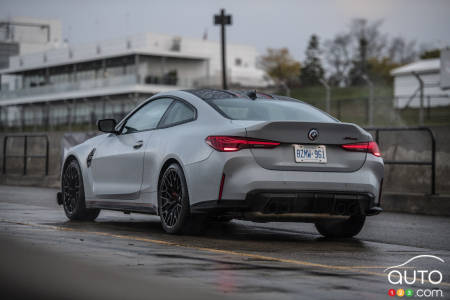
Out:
{"x": 331, "y": 135}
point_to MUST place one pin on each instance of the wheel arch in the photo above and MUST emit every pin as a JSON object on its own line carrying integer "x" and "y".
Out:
{"x": 170, "y": 160}
{"x": 165, "y": 165}
{"x": 72, "y": 157}
{"x": 67, "y": 161}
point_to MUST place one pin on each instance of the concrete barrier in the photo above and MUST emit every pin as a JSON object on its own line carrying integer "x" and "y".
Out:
{"x": 412, "y": 203}
{"x": 59, "y": 142}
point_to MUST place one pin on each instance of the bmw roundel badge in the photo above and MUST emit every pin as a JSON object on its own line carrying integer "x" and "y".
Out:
{"x": 313, "y": 134}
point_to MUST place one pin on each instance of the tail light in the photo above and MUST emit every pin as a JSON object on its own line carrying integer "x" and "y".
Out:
{"x": 370, "y": 147}
{"x": 231, "y": 143}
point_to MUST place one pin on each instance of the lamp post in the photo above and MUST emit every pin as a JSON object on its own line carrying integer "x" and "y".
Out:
{"x": 222, "y": 19}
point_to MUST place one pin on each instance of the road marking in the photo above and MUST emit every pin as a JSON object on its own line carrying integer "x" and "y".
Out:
{"x": 355, "y": 269}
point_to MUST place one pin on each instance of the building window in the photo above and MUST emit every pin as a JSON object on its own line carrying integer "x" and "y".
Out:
{"x": 238, "y": 61}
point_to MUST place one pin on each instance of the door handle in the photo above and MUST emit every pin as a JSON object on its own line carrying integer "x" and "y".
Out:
{"x": 138, "y": 144}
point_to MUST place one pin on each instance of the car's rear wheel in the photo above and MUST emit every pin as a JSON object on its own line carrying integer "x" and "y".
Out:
{"x": 173, "y": 200}
{"x": 341, "y": 229}
{"x": 73, "y": 194}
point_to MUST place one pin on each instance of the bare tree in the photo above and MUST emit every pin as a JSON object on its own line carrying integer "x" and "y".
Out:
{"x": 369, "y": 32}
{"x": 369, "y": 43}
{"x": 364, "y": 49}
{"x": 339, "y": 58}
{"x": 401, "y": 51}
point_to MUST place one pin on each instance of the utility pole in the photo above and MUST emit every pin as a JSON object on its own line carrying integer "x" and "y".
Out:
{"x": 223, "y": 20}
{"x": 421, "y": 85}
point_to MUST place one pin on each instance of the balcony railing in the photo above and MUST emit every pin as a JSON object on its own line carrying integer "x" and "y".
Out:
{"x": 93, "y": 84}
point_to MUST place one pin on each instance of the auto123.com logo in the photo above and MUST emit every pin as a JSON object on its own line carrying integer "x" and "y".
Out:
{"x": 406, "y": 277}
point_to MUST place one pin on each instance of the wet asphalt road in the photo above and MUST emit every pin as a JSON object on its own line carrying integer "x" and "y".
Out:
{"x": 132, "y": 254}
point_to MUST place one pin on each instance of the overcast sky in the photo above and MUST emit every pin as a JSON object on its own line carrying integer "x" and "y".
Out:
{"x": 263, "y": 23}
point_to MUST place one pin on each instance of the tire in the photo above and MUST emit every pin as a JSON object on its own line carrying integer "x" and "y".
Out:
{"x": 341, "y": 229}
{"x": 173, "y": 203}
{"x": 73, "y": 194}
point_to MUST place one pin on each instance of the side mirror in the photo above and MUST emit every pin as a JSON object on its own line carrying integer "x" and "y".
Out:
{"x": 107, "y": 125}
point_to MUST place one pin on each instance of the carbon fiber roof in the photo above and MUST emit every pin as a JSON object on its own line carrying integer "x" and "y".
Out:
{"x": 212, "y": 94}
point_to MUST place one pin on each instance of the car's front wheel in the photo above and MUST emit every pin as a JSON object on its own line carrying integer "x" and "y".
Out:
{"x": 73, "y": 194}
{"x": 341, "y": 229}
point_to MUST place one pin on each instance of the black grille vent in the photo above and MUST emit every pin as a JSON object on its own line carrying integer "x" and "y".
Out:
{"x": 89, "y": 158}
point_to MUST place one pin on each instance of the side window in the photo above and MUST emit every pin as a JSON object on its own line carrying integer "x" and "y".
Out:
{"x": 147, "y": 117}
{"x": 179, "y": 112}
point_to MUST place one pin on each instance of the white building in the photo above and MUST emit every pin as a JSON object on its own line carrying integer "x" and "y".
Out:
{"x": 20, "y": 35}
{"x": 406, "y": 84}
{"x": 31, "y": 34}
{"x": 108, "y": 78}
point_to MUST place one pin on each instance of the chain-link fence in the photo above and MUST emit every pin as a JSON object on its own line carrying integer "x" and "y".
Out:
{"x": 82, "y": 114}
{"x": 356, "y": 110}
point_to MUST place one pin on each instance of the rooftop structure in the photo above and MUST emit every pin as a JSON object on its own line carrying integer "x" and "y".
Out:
{"x": 406, "y": 84}
{"x": 22, "y": 35}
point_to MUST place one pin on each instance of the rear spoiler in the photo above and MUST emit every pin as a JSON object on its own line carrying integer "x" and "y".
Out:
{"x": 298, "y": 132}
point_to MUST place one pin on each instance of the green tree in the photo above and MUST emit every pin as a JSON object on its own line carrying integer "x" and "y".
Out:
{"x": 380, "y": 69}
{"x": 280, "y": 66}
{"x": 434, "y": 53}
{"x": 312, "y": 71}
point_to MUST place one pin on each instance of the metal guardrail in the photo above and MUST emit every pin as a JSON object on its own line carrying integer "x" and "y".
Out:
{"x": 25, "y": 154}
{"x": 431, "y": 163}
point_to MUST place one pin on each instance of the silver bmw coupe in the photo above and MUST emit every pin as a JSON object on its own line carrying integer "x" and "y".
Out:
{"x": 197, "y": 155}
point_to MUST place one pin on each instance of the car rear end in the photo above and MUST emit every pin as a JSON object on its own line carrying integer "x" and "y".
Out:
{"x": 285, "y": 166}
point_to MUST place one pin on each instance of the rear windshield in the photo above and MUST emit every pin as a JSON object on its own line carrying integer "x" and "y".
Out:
{"x": 269, "y": 110}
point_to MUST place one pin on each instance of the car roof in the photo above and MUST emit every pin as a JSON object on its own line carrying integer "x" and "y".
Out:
{"x": 214, "y": 94}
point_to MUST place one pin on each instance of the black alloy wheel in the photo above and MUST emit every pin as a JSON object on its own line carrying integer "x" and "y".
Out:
{"x": 73, "y": 194}
{"x": 173, "y": 200}
{"x": 71, "y": 188}
{"x": 171, "y": 196}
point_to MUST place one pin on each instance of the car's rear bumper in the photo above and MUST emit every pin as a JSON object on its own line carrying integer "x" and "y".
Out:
{"x": 244, "y": 176}
{"x": 270, "y": 205}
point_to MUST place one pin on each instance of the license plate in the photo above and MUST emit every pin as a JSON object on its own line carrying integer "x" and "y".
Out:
{"x": 310, "y": 154}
